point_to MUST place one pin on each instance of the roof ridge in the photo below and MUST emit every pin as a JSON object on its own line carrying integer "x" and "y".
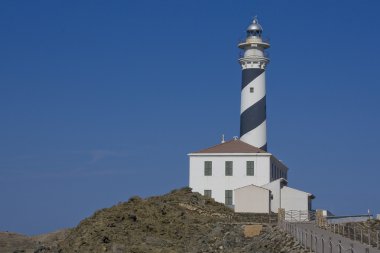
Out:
{"x": 215, "y": 145}
{"x": 232, "y": 146}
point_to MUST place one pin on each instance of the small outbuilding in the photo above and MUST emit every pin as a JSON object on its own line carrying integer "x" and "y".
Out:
{"x": 288, "y": 198}
{"x": 252, "y": 199}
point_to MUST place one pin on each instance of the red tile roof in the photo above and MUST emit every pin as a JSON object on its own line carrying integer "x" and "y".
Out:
{"x": 233, "y": 146}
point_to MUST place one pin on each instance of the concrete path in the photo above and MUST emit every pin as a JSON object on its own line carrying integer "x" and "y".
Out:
{"x": 321, "y": 240}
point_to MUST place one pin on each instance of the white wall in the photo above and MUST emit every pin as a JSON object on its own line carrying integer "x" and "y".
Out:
{"x": 252, "y": 199}
{"x": 218, "y": 182}
{"x": 293, "y": 199}
{"x": 275, "y": 188}
{"x": 287, "y": 198}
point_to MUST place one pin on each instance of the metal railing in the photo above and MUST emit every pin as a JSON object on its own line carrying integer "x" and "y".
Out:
{"x": 299, "y": 216}
{"x": 265, "y": 55}
{"x": 242, "y": 39}
{"x": 313, "y": 242}
{"x": 364, "y": 236}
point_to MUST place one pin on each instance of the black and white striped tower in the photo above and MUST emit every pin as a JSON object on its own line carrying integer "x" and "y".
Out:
{"x": 253, "y": 124}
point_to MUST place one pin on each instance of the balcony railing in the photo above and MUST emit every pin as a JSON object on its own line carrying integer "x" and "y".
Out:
{"x": 265, "y": 55}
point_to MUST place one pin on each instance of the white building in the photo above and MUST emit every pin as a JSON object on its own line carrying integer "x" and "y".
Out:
{"x": 241, "y": 173}
{"x": 219, "y": 170}
{"x": 225, "y": 171}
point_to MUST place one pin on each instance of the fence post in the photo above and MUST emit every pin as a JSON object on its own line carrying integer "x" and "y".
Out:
{"x": 340, "y": 246}
{"x": 311, "y": 241}
{"x": 297, "y": 235}
{"x": 330, "y": 244}
{"x": 305, "y": 238}
{"x": 316, "y": 243}
{"x": 297, "y": 232}
{"x": 354, "y": 234}
{"x": 361, "y": 235}
{"x": 334, "y": 228}
{"x": 369, "y": 237}
{"x": 323, "y": 244}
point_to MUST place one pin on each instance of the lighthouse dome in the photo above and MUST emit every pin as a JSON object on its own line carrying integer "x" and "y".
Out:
{"x": 254, "y": 28}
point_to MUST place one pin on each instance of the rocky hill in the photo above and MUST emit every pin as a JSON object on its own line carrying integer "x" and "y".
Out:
{"x": 181, "y": 221}
{"x": 17, "y": 243}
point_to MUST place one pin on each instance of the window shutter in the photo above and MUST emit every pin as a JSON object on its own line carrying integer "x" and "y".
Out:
{"x": 228, "y": 197}
{"x": 207, "y": 193}
{"x": 208, "y": 168}
{"x": 250, "y": 168}
{"x": 229, "y": 168}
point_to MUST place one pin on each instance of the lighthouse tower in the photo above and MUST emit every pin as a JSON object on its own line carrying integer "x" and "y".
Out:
{"x": 253, "y": 124}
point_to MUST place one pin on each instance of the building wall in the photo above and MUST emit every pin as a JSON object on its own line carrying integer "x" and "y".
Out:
{"x": 278, "y": 169}
{"x": 275, "y": 188}
{"x": 293, "y": 199}
{"x": 252, "y": 199}
{"x": 219, "y": 182}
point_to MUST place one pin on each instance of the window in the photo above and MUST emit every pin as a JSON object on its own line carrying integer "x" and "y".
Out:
{"x": 251, "y": 89}
{"x": 229, "y": 168}
{"x": 272, "y": 174}
{"x": 228, "y": 197}
{"x": 250, "y": 168}
{"x": 207, "y": 193}
{"x": 208, "y": 168}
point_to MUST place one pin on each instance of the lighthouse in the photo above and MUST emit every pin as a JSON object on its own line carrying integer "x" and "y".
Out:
{"x": 241, "y": 173}
{"x": 253, "y": 124}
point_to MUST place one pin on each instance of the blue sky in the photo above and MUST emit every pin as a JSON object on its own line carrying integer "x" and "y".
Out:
{"x": 102, "y": 100}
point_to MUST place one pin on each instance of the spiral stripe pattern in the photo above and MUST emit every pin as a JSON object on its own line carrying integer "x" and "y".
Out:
{"x": 253, "y": 108}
